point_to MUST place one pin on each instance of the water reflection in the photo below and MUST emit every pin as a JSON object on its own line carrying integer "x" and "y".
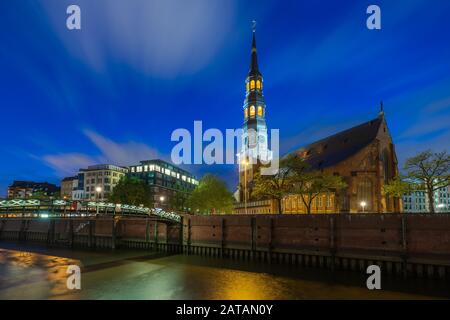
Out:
{"x": 30, "y": 273}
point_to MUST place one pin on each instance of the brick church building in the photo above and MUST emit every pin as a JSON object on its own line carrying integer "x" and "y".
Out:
{"x": 363, "y": 156}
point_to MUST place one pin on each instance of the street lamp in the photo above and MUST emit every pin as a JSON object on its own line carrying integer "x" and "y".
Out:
{"x": 98, "y": 190}
{"x": 161, "y": 200}
{"x": 363, "y": 205}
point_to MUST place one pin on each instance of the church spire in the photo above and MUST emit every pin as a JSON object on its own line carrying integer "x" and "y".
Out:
{"x": 381, "y": 113}
{"x": 254, "y": 70}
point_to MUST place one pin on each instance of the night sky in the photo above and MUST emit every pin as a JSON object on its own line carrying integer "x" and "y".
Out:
{"x": 114, "y": 91}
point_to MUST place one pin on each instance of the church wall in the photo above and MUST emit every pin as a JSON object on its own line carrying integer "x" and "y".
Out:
{"x": 364, "y": 167}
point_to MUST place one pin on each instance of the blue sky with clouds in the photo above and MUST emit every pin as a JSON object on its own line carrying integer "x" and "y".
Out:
{"x": 115, "y": 90}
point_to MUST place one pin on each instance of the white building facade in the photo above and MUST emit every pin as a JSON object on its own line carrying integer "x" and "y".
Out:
{"x": 98, "y": 181}
{"x": 417, "y": 201}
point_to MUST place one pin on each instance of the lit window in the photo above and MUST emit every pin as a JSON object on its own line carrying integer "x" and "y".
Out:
{"x": 246, "y": 113}
{"x": 258, "y": 84}
{"x": 247, "y": 86}
{"x": 260, "y": 111}
{"x": 132, "y": 169}
{"x": 252, "y": 84}
{"x": 152, "y": 168}
{"x": 167, "y": 171}
{"x": 252, "y": 111}
{"x": 139, "y": 169}
{"x": 183, "y": 178}
{"x": 145, "y": 168}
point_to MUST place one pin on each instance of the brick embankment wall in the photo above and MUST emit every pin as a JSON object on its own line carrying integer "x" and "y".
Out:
{"x": 401, "y": 244}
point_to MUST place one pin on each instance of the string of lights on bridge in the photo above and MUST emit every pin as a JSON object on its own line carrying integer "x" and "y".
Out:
{"x": 35, "y": 204}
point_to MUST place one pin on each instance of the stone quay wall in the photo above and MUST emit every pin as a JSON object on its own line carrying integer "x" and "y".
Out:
{"x": 405, "y": 245}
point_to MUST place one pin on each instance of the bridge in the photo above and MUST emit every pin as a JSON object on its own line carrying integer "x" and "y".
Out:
{"x": 34, "y": 208}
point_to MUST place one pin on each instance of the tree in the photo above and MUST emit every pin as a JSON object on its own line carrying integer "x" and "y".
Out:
{"x": 275, "y": 186}
{"x": 132, "y": 191}
{"x": 398, "y": 186}
{"x": 309, "y": 183}
{"x": 177, "y": 201}
{"x": 431, "y": 171}
{"x": 211, "y": 196}
{"x": 41, "y": 195}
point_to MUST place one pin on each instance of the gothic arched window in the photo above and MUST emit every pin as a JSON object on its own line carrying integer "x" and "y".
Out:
{"x": 258, "y": 84}
{"x": 365, "y": 194}
{"x": 386, "y": 166}
{"x": 252, "y": 84}
{"x": 252, "y": 111}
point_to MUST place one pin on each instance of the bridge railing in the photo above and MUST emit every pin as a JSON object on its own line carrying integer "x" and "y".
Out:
{"x": 50, "y": 207}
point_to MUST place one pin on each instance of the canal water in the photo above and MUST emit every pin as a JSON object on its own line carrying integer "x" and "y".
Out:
{"x": 36, "y": 272}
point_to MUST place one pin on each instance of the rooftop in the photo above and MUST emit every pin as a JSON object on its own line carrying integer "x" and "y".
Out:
{"x": 340, "y": 146}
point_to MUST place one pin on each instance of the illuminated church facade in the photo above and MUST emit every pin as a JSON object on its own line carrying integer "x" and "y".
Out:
{"x": 363, "y": 156}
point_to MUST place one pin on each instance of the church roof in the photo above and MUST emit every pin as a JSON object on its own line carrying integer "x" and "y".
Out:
{"x": 340, "y": 146}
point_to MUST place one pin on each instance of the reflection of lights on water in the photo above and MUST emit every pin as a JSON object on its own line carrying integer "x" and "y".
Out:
{"x": 54, "y": 268}
{"x": 238, "y": 285}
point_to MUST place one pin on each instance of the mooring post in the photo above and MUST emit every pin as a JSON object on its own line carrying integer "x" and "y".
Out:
{"x": 270, "y": 240}
{"x": 254, "y": 234}
{"x": 50, "y": 231}
{"x": 21, "y": 235}
{"x": 113, "y": 233}
{"x": 189, "y": 236}
{"x": 71, "y": 234}
{"x": 332, "y": 242}
{"x": 147, "y": 230}
{"x": 404, "y": 245}
{"x": 180, "y": 235}
{"x": 90, "y": 232}
{"x": 53, "y": 224}
{"x": 222, "y": 243}
{"x": 156, "y": 234}
{"x": 2, "y": 224}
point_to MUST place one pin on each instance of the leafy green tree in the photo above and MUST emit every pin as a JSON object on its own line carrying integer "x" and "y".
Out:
{"x": 309, "y": 185}
{"x": 211, "y": 196}
{"x": 41, "y": 195}
{"x": 431, "y": 170}
{"x": 177, "y": 201}
{"x": 296, "y": 176}
{"x": 274, "y": 187}
{"x": 132, "y": 191}
{"x": 399, "y": 186}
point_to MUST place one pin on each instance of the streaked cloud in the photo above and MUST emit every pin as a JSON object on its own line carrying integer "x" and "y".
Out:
{"x": 68, "y": 164}
{"x": 109, "y": 151}
{"x": 161, "y": 38}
